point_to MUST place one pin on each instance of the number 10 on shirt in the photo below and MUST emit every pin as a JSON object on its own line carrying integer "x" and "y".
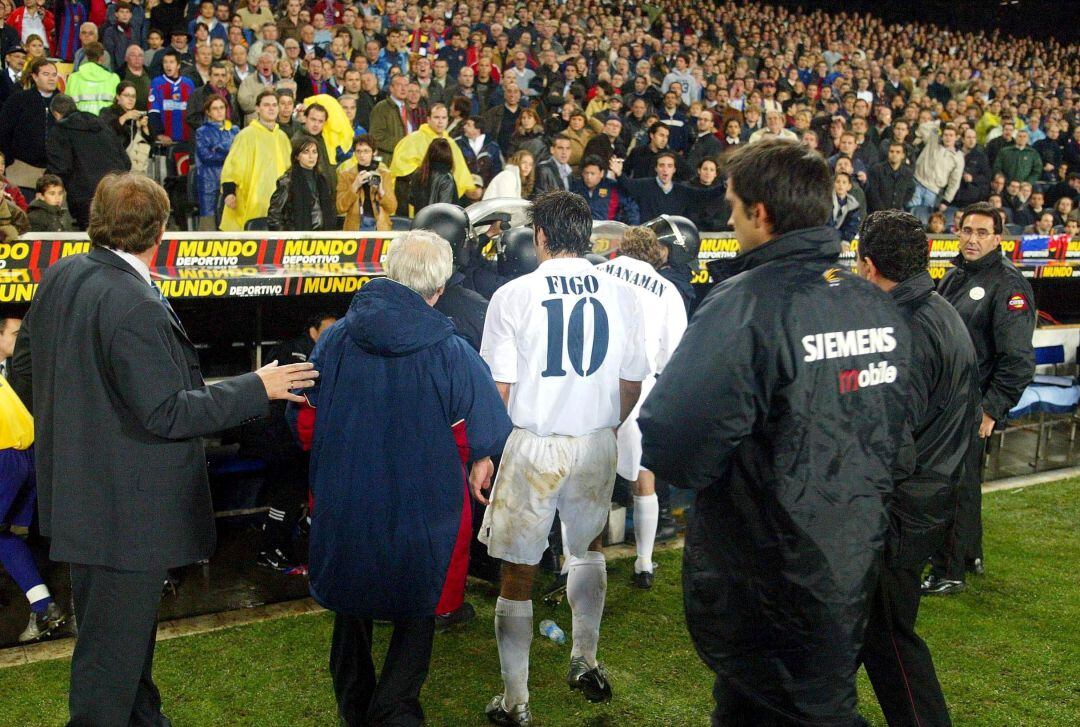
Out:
{"x": 571, "y": 337}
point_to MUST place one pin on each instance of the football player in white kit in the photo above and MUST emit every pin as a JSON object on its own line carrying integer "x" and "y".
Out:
{"x": 567, "y": 350}
{"x": 664, "y": 321}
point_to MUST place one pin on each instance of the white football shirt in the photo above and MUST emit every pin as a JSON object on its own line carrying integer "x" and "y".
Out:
{"x": 661, "y": 305}
{"x": 563, "y": 336}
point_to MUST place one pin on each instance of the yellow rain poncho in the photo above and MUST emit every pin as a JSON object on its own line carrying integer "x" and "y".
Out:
{"x": 337, "y": 131}
{"x": 257, "y": 159}
{"x": 410, "y": 151}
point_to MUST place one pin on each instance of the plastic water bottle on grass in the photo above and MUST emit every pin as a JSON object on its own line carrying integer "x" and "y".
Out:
{"x": 551, "y": 630}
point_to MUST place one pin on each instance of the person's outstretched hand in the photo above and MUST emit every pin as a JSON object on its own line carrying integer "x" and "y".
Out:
{"x": 281, "y": 380}
{"x": 480, "y": 478}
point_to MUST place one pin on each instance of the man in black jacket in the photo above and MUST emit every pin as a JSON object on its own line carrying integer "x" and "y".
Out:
{"x": 998, "y": 307}
{"x": 975, "y": 183}
{"x": 943, "y": 418}
{"x": 120, "y": 409}
{"x": 24, "y": 122}
{"x": 783, "y": 408}
{"x": 891, "y": 183}
{"x": 81, "y": 151}
{"x": 555, "y": 172}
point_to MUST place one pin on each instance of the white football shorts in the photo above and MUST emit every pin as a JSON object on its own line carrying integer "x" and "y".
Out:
{"x": 539, "y": 475}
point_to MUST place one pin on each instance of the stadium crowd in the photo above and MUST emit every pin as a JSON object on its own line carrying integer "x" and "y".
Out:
{"x": 631, "y": 105}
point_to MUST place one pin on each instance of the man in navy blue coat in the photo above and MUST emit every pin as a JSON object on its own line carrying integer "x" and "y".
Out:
{"x": 387, "y": 477}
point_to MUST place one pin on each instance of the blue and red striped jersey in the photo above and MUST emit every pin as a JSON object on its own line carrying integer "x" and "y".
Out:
{"x": 169, "y": 100}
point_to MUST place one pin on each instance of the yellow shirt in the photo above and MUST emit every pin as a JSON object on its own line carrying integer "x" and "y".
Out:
{"x": 16, "y": 424}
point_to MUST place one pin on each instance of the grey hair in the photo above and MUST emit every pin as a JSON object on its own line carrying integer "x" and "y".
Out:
{"x": 422, "y": 261}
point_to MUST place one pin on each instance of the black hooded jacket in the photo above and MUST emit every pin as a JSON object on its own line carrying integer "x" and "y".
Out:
{"x": 783, "y": 406}
{"x": 998, "y": 307}
{"x": 81, "y": 150}
{"x": 943, "y": 413}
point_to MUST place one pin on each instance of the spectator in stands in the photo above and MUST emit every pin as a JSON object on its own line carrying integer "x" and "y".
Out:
{"x": 715, "y": 214}
{"x": 259, "y": 156}
{"x": 24, "y": 122}
{"x": 602, "y": 194}
{"x": 1030, "y": 212}
{"x": 169, "y": 94}
{"x": 119, "y": 34}
{"x": 390, "y": 120}
{"x": 93, "y": 86}
{"x": 891, "y": 183}
{"x": 302, "y": 199}
{"x": 672, "y": 116}
{"x": 580, "y": 131}
{"x": 555, "y": 172}
{"x": 11, "y": 77}
{"x": 286, "y": 117}
{"x": 1064, "y": 209}
{"x": 517, "y": 180}
{"x": 846, "y": 213}
{"x": 315, "y": 118}
{"x": 501, "y": 120}
{"x": 939, "y": 169}
{"x": 482, "y": 154}
{"x": 88, "y": 33}
{"x": 9, "y": 189}
{"x": 130, "y": 125}
{"x": 433, "y": 181}
{"x": 1019, "y": 161}
{"x": 975, "y": 181}
{"x": 33, "y": 19}
{"x": 936, "y": 224}
{"x": 1044, "y": 224}
{"x": 774, "y": 129}
{"x": 134, "y": 71}
{"x": 529, "y": 136}
{"x": 13, "y": 220}
{"x": 48, "y": 210}
{"x": 82, "y": 150}
{"x": 359, "y": 189}
{"x": 213, "y": 140}
{"x": 705, "y": 143}
{"x": 660, "y": 194}
{"x": 219, "y": 87}
{"x": 994, "y": 145}
{"x": 261, "y": 80}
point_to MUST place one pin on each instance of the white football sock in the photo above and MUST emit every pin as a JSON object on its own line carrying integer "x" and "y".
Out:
{"x": 586, "y": 587}
{"x": 646, "y": 515}
{"x": 514, "y": 634}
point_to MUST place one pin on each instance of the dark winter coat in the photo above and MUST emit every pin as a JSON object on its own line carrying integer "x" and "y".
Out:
{"x": 998, "y": 307}
{"x": 943, "y": 411}
{"x": 83, "y": 149}
{"x": 24, "y": 122}
{"x": 212, "y": 144}
{"x": 888, "y": 188}
{"x": 783, "y": 407}
{"x": 388, "y": 487}
{"x": 292, "y": 205}
{"x": 977, "y": 164}
{"x": 50, "y": 218}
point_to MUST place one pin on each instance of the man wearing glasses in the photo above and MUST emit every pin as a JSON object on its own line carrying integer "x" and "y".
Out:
{"x": 998, "y": 308}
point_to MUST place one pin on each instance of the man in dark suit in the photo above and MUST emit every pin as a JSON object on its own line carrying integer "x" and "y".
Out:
{"x": 554, "y": 172}
{"x": 121, "y": 407}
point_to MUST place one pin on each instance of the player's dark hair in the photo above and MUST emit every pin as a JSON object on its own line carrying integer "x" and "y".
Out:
{"x": 316, "y": 320}
{"x": 792, "y": 181}
{"x": 986, "y": 210}
{"x": 566, "y": 221}
{"x": 896, "y": 242}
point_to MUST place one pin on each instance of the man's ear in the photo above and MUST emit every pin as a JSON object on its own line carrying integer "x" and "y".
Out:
{"x": 761, "y": 217}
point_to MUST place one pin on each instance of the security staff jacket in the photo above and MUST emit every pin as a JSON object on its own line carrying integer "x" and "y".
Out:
{"x": 998, "y": 308}
{"x": 783, "y": 406}
{"x": 943, "y": 417}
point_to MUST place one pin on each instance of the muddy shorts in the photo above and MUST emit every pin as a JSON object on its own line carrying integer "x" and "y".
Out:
{"x": 539, "y": 475}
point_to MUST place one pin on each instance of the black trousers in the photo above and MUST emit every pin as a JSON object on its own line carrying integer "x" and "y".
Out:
{"x": 111, "y": 680}
{"x": 735, "y": 709}
{"x": 393, "y": 698}
{"x": 286, "y": 492}
{"x": 964, "y": 542}
{"x": 897, "y": 661}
